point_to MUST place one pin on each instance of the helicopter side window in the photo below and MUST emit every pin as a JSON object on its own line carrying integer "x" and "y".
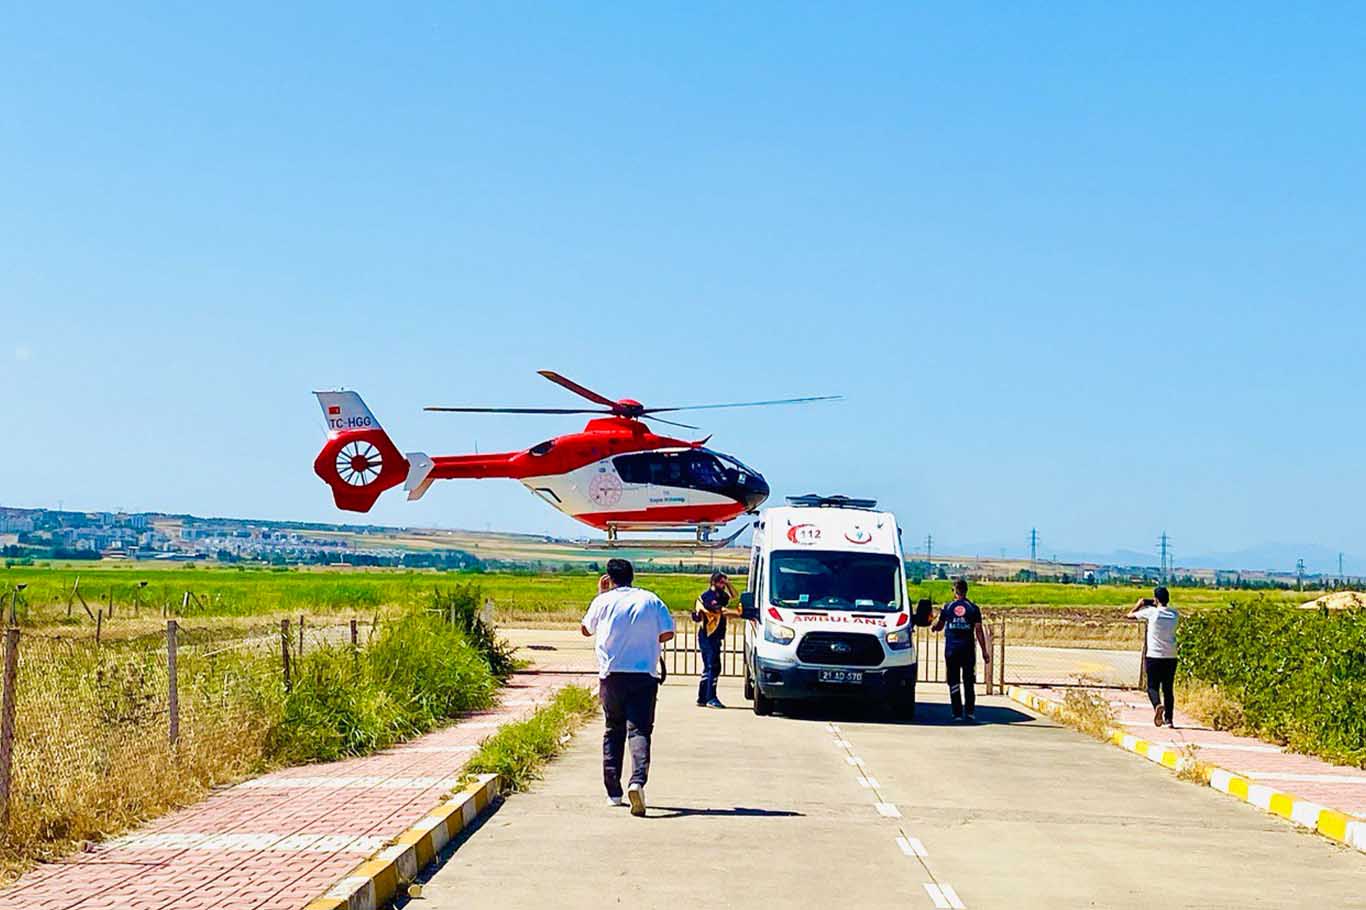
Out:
{"x": 696, "y": 470}
{"x": 633, "y": 468}
{"x": 705, "y": 472}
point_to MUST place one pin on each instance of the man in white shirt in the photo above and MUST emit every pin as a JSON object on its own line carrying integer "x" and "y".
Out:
{"x": 1160, "y": 655}
{"x": 630, "y": 624}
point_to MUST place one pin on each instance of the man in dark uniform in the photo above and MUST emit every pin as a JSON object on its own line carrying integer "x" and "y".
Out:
{"x": 961, "y": 623}
{"x": 710, "y": 612}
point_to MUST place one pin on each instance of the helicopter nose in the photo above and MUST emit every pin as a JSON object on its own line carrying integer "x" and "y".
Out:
{"x": 756, "y": 492}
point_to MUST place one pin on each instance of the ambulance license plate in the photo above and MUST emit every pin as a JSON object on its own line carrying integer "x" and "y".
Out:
{"x": 844, "y": 677}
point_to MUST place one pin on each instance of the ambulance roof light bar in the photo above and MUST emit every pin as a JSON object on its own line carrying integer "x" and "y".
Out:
{"x": 814, "y": 501}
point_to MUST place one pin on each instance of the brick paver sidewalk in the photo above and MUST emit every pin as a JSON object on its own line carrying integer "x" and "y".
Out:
{"x": 279, "y": 840}
{"x": 1335, "y": 786}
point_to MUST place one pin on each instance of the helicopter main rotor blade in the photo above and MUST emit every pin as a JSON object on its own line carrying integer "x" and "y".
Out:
{"x": 518, "y": 410}
{"x": 744, "y": 404}
{"x": 672, "y": 423}
{"x": 579, "y": 390}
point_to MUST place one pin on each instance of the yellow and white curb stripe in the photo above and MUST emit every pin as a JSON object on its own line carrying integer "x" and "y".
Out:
{"x": 1339, "y": 826}
{"x": 374, "y": 883}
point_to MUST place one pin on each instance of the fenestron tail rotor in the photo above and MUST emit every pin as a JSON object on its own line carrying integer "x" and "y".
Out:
{"x": 625, "y": 407}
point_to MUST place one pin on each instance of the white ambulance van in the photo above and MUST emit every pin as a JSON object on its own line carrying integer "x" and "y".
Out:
{"x": 827, "y": 613}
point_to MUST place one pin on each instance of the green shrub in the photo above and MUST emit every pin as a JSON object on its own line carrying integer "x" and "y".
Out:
{"x": 461, "y": 605}
{"x": 518, "y": 751}
{"x": 419, "y": 672}
{"x": 1300, "y": 675}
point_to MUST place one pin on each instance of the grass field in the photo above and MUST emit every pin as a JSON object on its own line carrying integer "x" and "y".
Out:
{"x": 546, "y": 597}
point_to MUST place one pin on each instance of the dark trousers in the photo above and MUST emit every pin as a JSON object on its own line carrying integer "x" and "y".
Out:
{"x": 962, "y": 669}
{"x": 710, "y": 649}
{"x": 1161, "y": 675}
{"x": 628, "y": 704}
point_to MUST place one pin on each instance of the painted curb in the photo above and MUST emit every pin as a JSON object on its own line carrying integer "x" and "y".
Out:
{"x": 374, "y": 882}
{"x": 1335, "y": 825}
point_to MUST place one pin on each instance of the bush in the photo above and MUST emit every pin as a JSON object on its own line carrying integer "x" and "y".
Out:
{"x": 518, "y": 751}
{"x": 461, "y": 606}
{"x": 1299, "y": 675}
{"x": 418, "y": 673}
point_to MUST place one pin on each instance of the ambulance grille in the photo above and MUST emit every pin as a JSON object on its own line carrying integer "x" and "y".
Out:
{"x": 845, "y": 649}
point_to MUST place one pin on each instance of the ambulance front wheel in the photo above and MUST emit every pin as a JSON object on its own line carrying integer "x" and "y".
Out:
{"x": 749, "y": 686}
{"x": 763, "y": 705}
{"x": 903, "y": 703}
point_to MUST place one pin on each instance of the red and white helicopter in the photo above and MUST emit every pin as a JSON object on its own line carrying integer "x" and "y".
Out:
{"x": 615, "y": 475}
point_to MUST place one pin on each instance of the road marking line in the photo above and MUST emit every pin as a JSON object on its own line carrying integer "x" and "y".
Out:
{"x": 944, "y": 897}
{"x": 887, "y": 810}
{"x": 911, "y": 846}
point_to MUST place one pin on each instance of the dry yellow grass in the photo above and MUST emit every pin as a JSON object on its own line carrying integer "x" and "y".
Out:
{"x": 1211, "y": 705}
{"x": 1088, "y": 711}
{"x": 92, "y": 752}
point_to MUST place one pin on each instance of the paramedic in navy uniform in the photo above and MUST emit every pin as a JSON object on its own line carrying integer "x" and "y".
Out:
{"x": 961, "y": 622}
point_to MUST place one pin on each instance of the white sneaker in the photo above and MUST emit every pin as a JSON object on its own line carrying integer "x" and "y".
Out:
{"x": 615, "y": 801}
{"x": 636, "y": 793}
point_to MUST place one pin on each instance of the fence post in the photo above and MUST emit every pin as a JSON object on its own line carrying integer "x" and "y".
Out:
{"x": 1143, "y": 659}
{"x": 301, "y": 636}
{"x": 173, "y": 691}
{"x": 284, "y": 649}
{"x": 355, "y": 634}
{"x": 185, "y": 604}
{"x": 111, "y": 603}
{"x": 99, "y": 624}
{"x": 7, "y": 722}
{"x": 1001, "y": 667}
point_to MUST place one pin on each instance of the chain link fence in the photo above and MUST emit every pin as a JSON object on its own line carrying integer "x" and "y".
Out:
{"x": 1026, "y": 650}
{"x": 105, "y": 723}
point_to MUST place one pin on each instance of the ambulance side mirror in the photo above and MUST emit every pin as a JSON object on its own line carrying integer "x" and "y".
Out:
{"x": 747, "y": 608}
{"x": 923, "y": 611}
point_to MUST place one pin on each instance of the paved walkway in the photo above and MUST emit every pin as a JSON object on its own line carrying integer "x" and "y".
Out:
{"x": 1336, "y": 786}
{"x": 279, "y": 840}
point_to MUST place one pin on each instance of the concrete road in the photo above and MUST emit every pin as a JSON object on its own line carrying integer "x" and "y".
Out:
{"x": 835, "y": 809}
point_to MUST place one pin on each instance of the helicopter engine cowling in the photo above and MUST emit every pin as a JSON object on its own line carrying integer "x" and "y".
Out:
{"x": 359, "y": 465}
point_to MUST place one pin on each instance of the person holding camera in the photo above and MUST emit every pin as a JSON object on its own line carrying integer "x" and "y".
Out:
{"x": 1160, "y": 655}
{"x": 629, "y": 625}
{"x": 961, "y": 623}
{"x": 710, "y": 613}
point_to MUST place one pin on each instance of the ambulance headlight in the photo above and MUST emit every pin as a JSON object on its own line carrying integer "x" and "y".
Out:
{"x": 778, "y": 633}
{"x": 899, "y": 639}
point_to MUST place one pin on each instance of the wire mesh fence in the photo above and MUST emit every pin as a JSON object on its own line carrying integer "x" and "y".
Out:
{"x": 104, "y": 724}
{"x": 1025, "y": 650}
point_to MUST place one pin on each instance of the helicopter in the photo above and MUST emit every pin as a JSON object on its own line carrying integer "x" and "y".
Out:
{"x": 616, "y": 475}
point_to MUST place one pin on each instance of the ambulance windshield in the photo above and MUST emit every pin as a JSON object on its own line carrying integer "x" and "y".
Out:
{"x": 829, "y": 580}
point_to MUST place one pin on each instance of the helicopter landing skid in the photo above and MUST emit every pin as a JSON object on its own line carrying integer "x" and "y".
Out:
{"x": 702, "y": 539}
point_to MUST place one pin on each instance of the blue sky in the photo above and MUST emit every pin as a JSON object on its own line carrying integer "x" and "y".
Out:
{"x": 1091, "y": 270}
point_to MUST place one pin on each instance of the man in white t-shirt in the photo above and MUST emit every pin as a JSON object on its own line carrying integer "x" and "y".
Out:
{"x": 1160, "y": 655}
{"x": 629, "y": 624}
